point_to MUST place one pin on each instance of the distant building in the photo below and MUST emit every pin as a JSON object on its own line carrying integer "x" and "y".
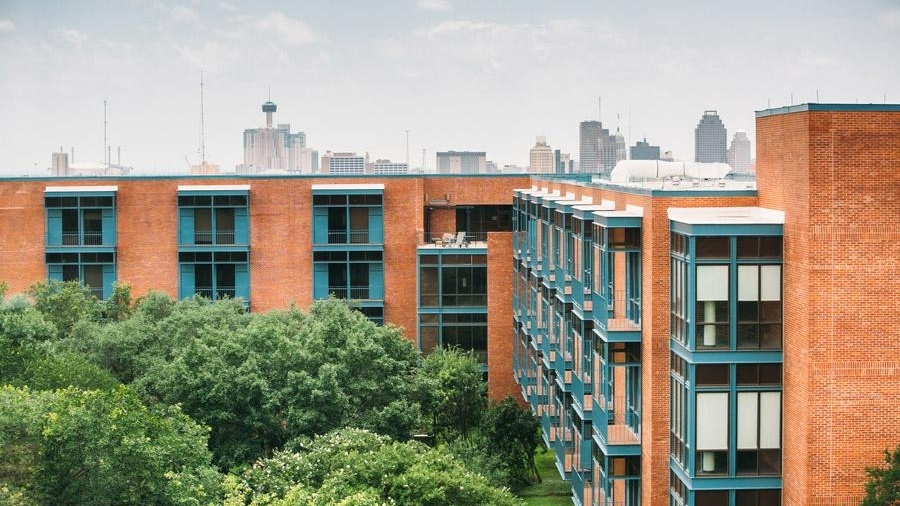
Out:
{"x": 739, "y": 152}
{"x": 642, "y": 150}
{"x": 343, "y": 163}
{"x": 599, "y": 150}
{"x": 540, "y": 160}
{"x": 205, "y": 168}
{"x": 62, "y": 165}
{"x": 710, "y": 138}
{"x": 461, "y": 162}
{"x": 387, "y": 167}
{"x": 274, "y": 148}
{"x": 563, "y": 163}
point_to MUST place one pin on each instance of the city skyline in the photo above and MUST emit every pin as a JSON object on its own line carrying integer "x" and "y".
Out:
{"x": 449, "y": 71}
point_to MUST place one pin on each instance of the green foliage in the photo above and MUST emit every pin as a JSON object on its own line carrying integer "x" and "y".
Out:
{"x": 883, "y": 485}
{"x": 118, "y": 306}
{"x": 259, "y": 380}
{"x": 451, "y": 392}
{"x": 64, "y": 303}
{"x": 63, "y": 370}
{"x": 512, "y": 434}
{"x": 101, "y": 448}
{"x": 357, "y": 467}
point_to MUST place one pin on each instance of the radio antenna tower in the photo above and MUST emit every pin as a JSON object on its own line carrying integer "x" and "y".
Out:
{"x": 202, "y": 125}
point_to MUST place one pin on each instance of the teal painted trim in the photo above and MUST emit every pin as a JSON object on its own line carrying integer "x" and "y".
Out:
{"x": 726, "y": 229}
{"x": 81, "y": 193}
{"x": 191, "y": 193}
{"x": 618, "y": 221}
{"x": 348, "y": 247}
{"x": 368, "y": 302}
{"x": 650, "y": 192}
{"x": 631, "y": 450}
{"x": 356, "y": 191}
{"x": 454, "y": 310}
{"x": 735, "y": 357}
{"x": 736, "y": 483}
{"x": 451, "y": 250}
{"x": 80, "y": 249}
{"x": 828, "y": 107}
{"x": 618, "y": 336}
{"x": 213, "y": 248}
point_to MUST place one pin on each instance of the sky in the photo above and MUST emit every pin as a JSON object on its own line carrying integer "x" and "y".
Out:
{"x": 481, "y": 75}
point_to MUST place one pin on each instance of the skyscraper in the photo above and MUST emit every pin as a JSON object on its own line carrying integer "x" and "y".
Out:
{"x": 710, "y": 139}
{"x": 642, "y": 150}
{"x": 274, "y": 148}
{"x": 739, "y": 152}
{"x": 562, "y": 162}
{"x": 540, "y": 160}
{"x": 599, "y": 150}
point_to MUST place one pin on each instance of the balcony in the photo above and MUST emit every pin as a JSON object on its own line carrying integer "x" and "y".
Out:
{"x": 621, "y": 420}
{"x": 211, "y": 237}
{"x": 352, "y": 236}
{"x": 219, "y": 292}
{"x": 82, "y": 239}
{"x": 351, "y": 293}
{"x": 452, "y": 240}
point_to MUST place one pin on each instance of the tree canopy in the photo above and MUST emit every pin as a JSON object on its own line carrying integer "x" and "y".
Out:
{"x": 883, "y": 485}
{"x": 354, "y": 466}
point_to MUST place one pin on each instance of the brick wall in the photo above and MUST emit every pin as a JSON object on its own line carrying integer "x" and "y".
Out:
{"x": 836, "y": 175}
{"x": 500, "y": 316}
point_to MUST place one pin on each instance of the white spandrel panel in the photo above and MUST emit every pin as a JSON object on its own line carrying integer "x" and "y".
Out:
{"x": 712, "y": 421}
{"x": 748, "y": 282}
{"x": 770, "y": 281}
{"x": 748, "y": 421}
{"x": 712, "y": 282}
{"x": 770, "y": 420}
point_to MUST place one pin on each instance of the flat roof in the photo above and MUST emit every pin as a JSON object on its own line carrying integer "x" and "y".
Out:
{"x": 828, "y": 107}
{"x": 60, "y": 189}
{"x": 213, "y": 187}
{"x": 339, "y": 186}
{"x": 726, "y": 216}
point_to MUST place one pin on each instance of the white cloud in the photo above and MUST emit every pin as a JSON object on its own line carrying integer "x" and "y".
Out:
{"x": 7, "y": 26}
{"x": 434, "y": 5}
{"x": 227, "y": 6}
{"x": 285, "y": 29}
{"x": 71, "y": 36}
{"x": 890, "y": 18}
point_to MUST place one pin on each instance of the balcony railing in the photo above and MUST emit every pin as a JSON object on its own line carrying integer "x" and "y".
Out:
{"x": 82, "y": 239}
{"x": 352, "y": 293}
{"x": 210, "y": 237}
{"x": 97, "y": 292}
{"x": 220, "y": 292}
{"x": 453, "y": 239}
{"x": 344, "y": 236}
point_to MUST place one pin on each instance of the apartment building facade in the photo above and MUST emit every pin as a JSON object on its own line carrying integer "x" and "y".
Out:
{"x": 683, "y": 340}
{"x": 697, "y": 342}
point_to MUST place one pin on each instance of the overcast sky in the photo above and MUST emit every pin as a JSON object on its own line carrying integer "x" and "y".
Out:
{"x": 459, "y": 74}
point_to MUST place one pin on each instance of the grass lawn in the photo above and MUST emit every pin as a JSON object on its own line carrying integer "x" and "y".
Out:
{"x": 553, "y": 490}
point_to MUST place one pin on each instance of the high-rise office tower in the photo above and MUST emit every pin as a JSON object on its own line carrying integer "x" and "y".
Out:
{"x": 642, "y": 150}
{"x": 599, "y": 150}
{"x": 739, "y": 152}
{"x": 540, "y": 160}
{"x": 461, "y": 162}
{"x": 710, "y": 139}
{"x": 562, "y": 162}
{"x": 273, "y": 148}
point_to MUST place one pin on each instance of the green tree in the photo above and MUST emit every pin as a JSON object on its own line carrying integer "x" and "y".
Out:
{"x": 511, "y": 433}
{"x": 259, "y": 380}
{"x": 451, "y": 392}
{"x": 357, "y": 467}
{"x": 64, "y": 303}
{"x": 883, "y": 485}
{"x": 102, "y": 448}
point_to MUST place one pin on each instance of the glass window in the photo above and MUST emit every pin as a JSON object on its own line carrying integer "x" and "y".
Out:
{"x": 712, "y": 306}
{"x": 712, "y": 247}
{"x": 711, "y": 498}
{"x": 712, "y": 374}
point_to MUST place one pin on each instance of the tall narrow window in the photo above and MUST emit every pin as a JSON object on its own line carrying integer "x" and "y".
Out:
{"x": 712, "y": 306}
